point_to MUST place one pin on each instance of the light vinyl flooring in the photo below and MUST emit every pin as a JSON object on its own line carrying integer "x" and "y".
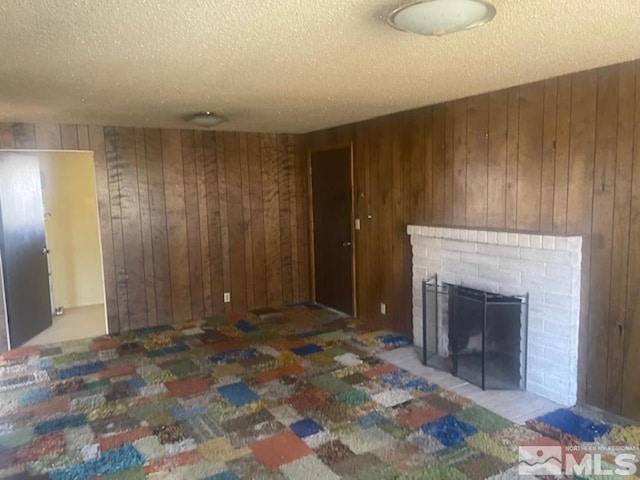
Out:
{"x": 515, "y": 405}
{"x": 75, "y": 324}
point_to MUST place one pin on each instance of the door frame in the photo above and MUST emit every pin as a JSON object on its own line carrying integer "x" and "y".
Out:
{"x": 352, "y": 230}
{"x": 5, "y": 343}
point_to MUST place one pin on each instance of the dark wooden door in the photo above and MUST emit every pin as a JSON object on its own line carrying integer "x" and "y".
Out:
{"x": 331, "y": 185}
{"x": 23, "y": 247}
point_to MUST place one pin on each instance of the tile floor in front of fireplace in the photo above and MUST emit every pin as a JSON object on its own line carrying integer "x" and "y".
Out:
{"x": 515, "y": 405}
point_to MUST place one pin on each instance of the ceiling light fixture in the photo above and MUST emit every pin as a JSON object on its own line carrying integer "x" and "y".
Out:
{"x": 441, "y": 17}
{"x": 207, "y": 119}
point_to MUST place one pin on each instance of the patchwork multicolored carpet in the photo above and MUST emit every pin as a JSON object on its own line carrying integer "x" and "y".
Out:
{"x": 290, "y": 393}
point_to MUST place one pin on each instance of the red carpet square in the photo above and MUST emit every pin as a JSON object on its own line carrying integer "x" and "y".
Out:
{"x": 188, "y": 387}
{"x": 280, "y": 449}
{"x": 418, "y": 416}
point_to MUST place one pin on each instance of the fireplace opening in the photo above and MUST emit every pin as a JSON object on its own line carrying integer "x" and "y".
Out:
{"x": 476, "y": 335}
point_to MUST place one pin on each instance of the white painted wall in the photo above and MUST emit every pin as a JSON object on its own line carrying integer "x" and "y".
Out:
{"x": 72, "y": 229}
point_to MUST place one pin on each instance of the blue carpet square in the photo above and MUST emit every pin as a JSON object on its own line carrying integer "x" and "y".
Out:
{"x": 307, "y": 349}
{"x": 107, "y": 463}
{"x": 245, "y": 326}
{"x": 80, "y": 370}
{"x": 394, "y": 340}
{"x": 305, "y": 428}
{"x": 38, "y": 395}
{"x": 406, "y": 381}
{"x": 448, "y": 430}
{"x": 419, "y": 385}
{"x": 136, "y": 382}
{"x": 580, "y": 427}
{"x": 238, "y": 394}
{"x": 371, "y": 420}
{"x": 60, "y": 424}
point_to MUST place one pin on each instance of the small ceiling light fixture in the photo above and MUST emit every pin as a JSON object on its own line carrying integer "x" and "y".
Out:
{"x": 207, "y": 119}
{"x": 441, "y": 17}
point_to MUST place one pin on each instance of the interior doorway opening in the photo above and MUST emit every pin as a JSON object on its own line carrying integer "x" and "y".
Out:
{"x": 73, "y": 249}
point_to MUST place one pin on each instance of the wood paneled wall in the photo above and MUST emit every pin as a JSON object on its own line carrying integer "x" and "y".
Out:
{"x": 186, "y": 215}
{"x": 558, "y": 156}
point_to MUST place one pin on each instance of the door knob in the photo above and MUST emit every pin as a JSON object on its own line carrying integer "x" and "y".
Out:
{"x": 45, "y": 251}
{"x": 346, "y": 244}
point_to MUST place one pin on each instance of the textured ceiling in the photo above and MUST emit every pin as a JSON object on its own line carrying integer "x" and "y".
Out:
{"x": 281, "y": 65}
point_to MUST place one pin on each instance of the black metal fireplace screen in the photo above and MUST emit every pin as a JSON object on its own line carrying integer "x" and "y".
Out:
{"x": 478, "y": 336}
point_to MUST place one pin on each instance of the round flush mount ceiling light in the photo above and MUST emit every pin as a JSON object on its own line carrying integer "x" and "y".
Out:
{"x": 207, "y": 119}
{"x": 441, "y": 17}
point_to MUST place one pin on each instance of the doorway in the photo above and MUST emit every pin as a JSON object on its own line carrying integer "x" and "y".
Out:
{"x": 69, "y": 217}
{"x": 331, "y": 172}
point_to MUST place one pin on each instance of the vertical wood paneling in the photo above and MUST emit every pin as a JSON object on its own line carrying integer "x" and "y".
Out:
{"x": 384, "y": 213}
{"x": 69, "y": 137}
{"x": 203, "y": 212}
{"x": 246, "y": 221}
{"x": 362, "y": 205}
{"x": 257, "y": 220}
{"x": 145, "y": 228}
{"x": 25, "y": 135}
{"x": 159, "y": 234}
{"x": 372, "y": 223}
{"x": 286, "y": 241}
{"x": 529, "y": 156}
{"x": 600, "y": 331}
{"x": 221, "y": 151}
{"x": 192, "y": 210}
{"x": 173, "y": 171}
{"x": 549, "y": 125}
{"x": 48, "y": 136}
{"x": 290, "y": 149}
{"x": 448, "y": 165}
{"x": 511, "y": 181}
{"x": 580, "y": 200}
{"x": 131, "y": 272}
{"x": 422, "y": 206}
{"x": 120, "y": 271}
{"x": 497, "y": 160}
{"x": 210, "y": 142}
{"x": 7, "y": 139}
{"x": 621, "y": 226}
{"x": 235, "y": 220}
{"x": 83, "y": 137}
{"x": 97, "y": 144}
{"x": 271, "y": 219}
{"x": 630, "y": 385}
{"x": 563, "y": 132}
{"x": 459, "y": 201}
{"x": 400, "y": 209}
{"x": 438, "y": 159}
{"x": 476, "y": 176}
{"x": 302, "y": 206}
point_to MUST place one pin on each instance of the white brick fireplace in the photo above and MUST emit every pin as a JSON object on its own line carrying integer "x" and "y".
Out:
{"x": 547, "y": 267}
